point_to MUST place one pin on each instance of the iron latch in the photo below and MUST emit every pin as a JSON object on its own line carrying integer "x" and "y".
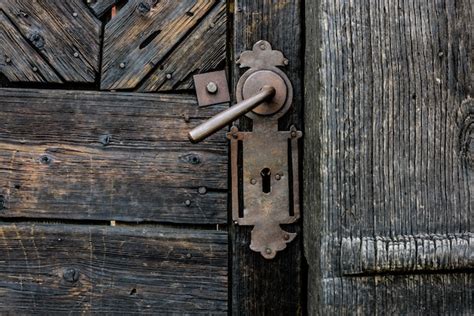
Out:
{"x": 268, "y": 178}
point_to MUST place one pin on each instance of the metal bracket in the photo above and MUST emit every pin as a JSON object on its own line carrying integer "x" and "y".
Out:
{"x": 268, "y": 180}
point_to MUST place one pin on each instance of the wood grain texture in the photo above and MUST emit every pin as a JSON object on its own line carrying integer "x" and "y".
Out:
{"x": 65, "y": 33}
{"x": 55, "y": 269}
{"x": 260, "y": 286}
{"x": 101, "y": 7}
{"x": 107, "y": 156}
{"x": 384, "y": 147}
{"x": 19, "y": 62}
{"x": 143, "y": 33}
{"x": 202, "y": 50}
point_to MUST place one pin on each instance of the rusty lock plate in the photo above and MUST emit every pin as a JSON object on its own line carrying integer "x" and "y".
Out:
{"x": 265, "y": 190}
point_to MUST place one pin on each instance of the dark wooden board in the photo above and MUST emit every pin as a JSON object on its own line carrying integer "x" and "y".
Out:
{"x": 204, "y": 49}
{"x": 65, "y": 33}
{"x": 143, "y": 33}
{"x": 260, "y": 286}
{"x": 19, "y": 62}
{"x": 388, "y": 179}
{"x": 109, "y": 156}
{"x": 51, "y": 269}
{"x": 101, "y": 7}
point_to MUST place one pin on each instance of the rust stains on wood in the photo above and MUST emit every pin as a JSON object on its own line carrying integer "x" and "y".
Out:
{"x": 145, "y": 32}
{"x": 108, "y": 156}
{"x": 48, "y": 269}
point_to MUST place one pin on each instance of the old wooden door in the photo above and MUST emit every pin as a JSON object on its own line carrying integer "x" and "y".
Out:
{"x": 105, "y": 206}
{"x": 389, "y": 157}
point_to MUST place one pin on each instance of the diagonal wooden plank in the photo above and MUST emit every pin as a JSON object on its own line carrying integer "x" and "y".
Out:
{"x": 19, "y": 62}
{"x": 109, "y": 156}
{"x": 82, "y": 269}
{"x": 66, "y": 33}
{"x": 142, "y": 34}
{"x": 204, "y": 49}
{"x": 100, "y": 7}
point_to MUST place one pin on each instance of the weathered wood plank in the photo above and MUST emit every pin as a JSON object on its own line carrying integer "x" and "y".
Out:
{"x": 203, "y": 50}
{"x": 65, "y": 33}
{"x": 49, "y": 269}
{"x": 142, "y": 34}
{"x": 19, "y": 62}
{"x": 385, "y": 82}
{"x": 107, "y": 156}
{"x": 100, "y": 7}
{"x": 260, "y": 286}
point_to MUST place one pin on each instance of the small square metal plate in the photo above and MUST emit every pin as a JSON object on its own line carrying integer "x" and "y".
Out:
{"x": 211, "y": 88}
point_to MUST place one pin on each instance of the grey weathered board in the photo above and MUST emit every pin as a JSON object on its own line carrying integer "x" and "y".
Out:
{"x": 65, "y": 35}
{"x": 77, "y": 269}
{"x": 260, "y": 286}
{"x": 388, "y": 167}
{"x": 109, "y": 156}
{"x": 159, "y": 45}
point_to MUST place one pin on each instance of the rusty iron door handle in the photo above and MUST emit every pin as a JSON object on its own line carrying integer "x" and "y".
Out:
{"x": 226, "y": 117}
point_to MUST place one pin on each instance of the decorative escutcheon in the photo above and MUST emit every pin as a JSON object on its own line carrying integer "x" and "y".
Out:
{"x": 264, "y": 161}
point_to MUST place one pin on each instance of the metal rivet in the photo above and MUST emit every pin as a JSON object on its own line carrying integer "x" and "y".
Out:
{"x": 76, "y": 54}
{"x": 71, "y": 275}
{"x": 187, "y": 203}
{"x": 74, "y": 14}
{"x": 236, "y": 222}
{"x": 122, "y": 65}
{"x": 202, "y": 190}
{"x": 253, "y": 181}
{"x": 212, "y": 87}
{"x": 278, "y": 176}
{"x": 212, "y": 25}
{"x": 268, "y": 251}
{"x": 35, "y": 69}
{"x": 8, "y": 60}
{"x": 294, "y": 134}
{"x": 169, "y": 76}
{"x": 286, "y": 62}
{"x": 286, "y": 237}
{"x": 263, "y": 47}
{"x": 235, "y": 136}
{"x": 188, "y": 255}
{"x": 186, "y": 118}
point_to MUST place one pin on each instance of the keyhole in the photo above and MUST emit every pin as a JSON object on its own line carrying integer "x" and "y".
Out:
{"x": 266, "y": 180}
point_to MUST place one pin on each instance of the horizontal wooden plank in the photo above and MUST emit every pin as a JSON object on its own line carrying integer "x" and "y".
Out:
{"x": 109, "y": 156}
{"x": 408, "y": 253}
{"x": 97, "y": 269}
{"x": 65, "y": 33}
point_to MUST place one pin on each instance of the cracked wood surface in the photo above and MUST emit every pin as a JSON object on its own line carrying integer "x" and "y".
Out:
{"x": 388, "y": 148}
{"x": 64, "y": 269}
{"x": 109, "y": 156}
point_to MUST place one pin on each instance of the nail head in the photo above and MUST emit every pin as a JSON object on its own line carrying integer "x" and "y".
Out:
{"x": 212, "y": 87}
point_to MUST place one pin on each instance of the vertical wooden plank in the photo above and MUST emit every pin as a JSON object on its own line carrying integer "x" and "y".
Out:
{"x": 261, "y": 286}
{"x": 388, "y": 196}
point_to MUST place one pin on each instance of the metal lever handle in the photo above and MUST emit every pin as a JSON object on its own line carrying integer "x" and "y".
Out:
{"x": 226, "y": 117}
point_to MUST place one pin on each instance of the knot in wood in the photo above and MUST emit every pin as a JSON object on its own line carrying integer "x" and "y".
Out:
{"x": 71, "y": 275}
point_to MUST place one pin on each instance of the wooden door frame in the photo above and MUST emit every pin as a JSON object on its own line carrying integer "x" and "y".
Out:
{"x": 260, "y": 286}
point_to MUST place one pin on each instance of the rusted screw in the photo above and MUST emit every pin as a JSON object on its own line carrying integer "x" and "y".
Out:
{"x": 202, "y": 190}
{"x": 187, "y": 203}
{"x": 212, "y": 87}
{"x": 294, "y": 134}
{"x": 278, "y": 177}
{"x": 268, "y": 251}
{"x": 71, "y": 275}
{"x": 122, "y": 65}
{"x": 169, "y": 76}
{"x": 253, "y": 181}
